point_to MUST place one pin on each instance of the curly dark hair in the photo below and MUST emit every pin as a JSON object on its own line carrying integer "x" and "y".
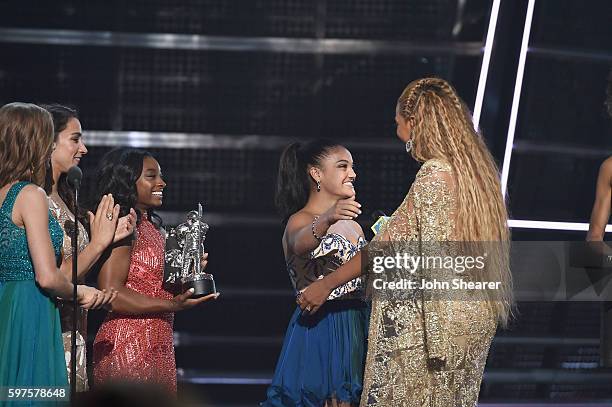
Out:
{"x": 117, "y": 174}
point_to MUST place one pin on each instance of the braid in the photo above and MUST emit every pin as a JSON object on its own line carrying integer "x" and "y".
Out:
{"x": 409, "y": 100}
{"x": 442, "y": 128}
{"x": 452, "y": 94}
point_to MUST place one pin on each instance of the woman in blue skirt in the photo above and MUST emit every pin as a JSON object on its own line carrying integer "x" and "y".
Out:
{"x": 323, "y": 356}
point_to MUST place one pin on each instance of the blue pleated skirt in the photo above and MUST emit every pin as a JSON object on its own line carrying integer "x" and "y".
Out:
{"x": 323, "y": 357}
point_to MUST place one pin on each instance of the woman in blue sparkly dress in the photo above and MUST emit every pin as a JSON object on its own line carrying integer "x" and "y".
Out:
{"x": 323, "y": 356}
{"x": 31, "y": 348}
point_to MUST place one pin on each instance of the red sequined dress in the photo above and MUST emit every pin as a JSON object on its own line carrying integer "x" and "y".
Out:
{"x": 139, "y": 347}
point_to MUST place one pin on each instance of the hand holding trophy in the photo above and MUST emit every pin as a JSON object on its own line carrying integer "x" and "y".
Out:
{"x": 184, "y": 268}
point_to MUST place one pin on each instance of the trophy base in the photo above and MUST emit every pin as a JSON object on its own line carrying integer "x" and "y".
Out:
{"x": 203, "y": 285}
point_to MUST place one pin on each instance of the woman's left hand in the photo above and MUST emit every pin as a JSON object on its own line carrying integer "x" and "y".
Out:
{"x": 103, "y": 224}
{"x": 107, "y": 298}
{"x": 313, "y": 297}
{"x": 92, "y": 298}
{"x": 125, "y": 226}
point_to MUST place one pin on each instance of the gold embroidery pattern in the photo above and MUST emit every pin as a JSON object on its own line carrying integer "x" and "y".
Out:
{"x": 426, "y": 352}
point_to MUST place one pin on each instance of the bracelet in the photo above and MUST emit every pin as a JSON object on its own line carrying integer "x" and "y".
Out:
{"x": 314, "y": 221}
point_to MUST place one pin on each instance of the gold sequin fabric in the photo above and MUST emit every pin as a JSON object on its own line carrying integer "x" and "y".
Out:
{"x": 65, "y": 218}
{"x": 425, "y": 351}
{"x": 139, "y": 347}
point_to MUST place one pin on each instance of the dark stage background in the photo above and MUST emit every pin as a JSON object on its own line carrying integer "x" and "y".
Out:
{"x": 216, "y": 88}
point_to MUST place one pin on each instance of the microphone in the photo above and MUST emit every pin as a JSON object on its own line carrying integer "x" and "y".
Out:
{"x": 69, "y": 227}
{"x": 74, "y": 176}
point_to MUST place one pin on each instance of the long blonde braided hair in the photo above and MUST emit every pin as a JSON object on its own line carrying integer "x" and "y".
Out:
{"x": 442, "y": 128}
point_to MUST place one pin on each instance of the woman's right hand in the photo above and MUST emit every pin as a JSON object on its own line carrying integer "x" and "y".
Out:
{"x": 104, "y": 222}
{"x": 92, "y": 298}
{"x": 183, "y": 301}
{"x": 313, "y": 297}
{"x": 125, "y": 226}
{"x": 344, "y": 209}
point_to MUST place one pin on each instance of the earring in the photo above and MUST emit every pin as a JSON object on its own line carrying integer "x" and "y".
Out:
{"x": 318, "y": 186}
{"x": 409, "y": 145}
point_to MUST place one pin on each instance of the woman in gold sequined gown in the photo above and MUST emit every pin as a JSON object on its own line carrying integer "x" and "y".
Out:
{"x": 431, "y": 351}
{"x": 68, "y": 149}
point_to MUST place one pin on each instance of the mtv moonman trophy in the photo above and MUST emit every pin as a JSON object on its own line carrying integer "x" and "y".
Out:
{"x": 184, "y": 250}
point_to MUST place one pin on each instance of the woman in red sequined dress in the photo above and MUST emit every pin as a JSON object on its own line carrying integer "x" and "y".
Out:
{"x": 135, "y": 341}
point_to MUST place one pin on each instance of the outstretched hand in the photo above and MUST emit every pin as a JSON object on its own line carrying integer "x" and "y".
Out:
{"x": 344, "y": 209}
{"x": 184, "y": 301}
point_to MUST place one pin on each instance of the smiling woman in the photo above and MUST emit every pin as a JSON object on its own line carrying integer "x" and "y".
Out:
{"x": 429, "y": 349}
{"x": 135, "y": 340}
{"x": 30, "y": 244}
{"x": 150, "y": 186}
{"x": 68, "y": 149}
{"x": 321, "y": 363}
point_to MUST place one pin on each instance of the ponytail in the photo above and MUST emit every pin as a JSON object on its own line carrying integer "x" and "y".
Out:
{"x": 293, "y": 184}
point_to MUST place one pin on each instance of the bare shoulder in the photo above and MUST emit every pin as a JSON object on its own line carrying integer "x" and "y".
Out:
{"x": 119, "y": 256}
{"x": 31, "y": 204}
{"x": 120, "y": 250}
{"x": 298, "y": 220}
{"x": 356, "y": 227}
{"x": 31, "y": 195}
{"x": 32, "y": 191}
{"x": 347, "y": 228}
{"x": 606, "y": 167}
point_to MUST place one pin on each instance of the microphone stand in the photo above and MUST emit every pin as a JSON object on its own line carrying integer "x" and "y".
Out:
{"x": 74, "y": 179}
{"x": 75, "y": 305}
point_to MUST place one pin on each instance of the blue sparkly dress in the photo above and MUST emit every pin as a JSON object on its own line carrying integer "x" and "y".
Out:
{"x": 323, "y": 355}
{"x": 31, "y": 348}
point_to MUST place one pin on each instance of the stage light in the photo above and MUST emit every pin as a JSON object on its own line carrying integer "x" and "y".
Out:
{"x": 548, "y": 225}
{"x": 486, "y": 61}
{"x": 517, "y": 96}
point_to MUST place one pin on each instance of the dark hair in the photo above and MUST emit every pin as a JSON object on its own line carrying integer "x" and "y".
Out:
{"x": 61, "y": 116}
{"x": 293, "y": 183}
{"x": 117, "y": 174}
